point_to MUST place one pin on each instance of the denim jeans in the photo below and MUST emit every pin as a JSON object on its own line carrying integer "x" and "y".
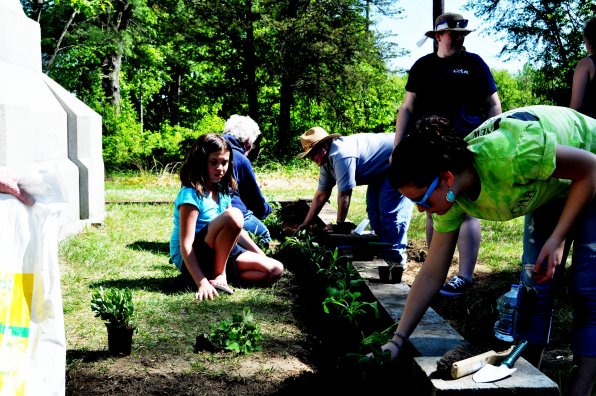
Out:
{"x": 255, "y": 226}
{"x": 535, "y": 307}
{"x": 389, "y": 213}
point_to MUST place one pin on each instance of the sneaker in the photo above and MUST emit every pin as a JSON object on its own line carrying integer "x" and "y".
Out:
{"x": 455, "y": 287}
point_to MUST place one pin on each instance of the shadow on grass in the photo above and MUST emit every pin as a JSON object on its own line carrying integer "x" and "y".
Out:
{"x": 151, "y": 246}
{"x": 73, "y": 355}
{"x": 166, "y": 285}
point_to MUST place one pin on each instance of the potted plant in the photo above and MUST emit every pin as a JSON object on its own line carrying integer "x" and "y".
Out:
{"x": 115, "y": 307}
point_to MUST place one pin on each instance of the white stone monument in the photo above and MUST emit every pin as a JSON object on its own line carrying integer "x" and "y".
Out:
{"x": 42, "y": 126}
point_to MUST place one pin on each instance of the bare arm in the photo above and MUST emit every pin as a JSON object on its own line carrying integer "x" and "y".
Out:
{"x": 579, "y": 166}
{"x": 343, "y": 204}
{"x": 581, "y": 77}
{"x": 188, "y": 221}
{"x": 493, "y": 105}
{"x": 429, "y": 280}
{"x": 315, "y": 207}
{"x": 10, "y": 186}
{"x": 403, "y": 116}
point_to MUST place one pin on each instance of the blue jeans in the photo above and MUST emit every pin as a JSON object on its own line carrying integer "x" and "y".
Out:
{"x": 389, "y": 213}
{"x": 255, "y": 226}
{"x": 535, "y": 307}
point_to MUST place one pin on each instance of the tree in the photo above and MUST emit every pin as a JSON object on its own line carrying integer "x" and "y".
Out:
{"x": 547, "y": 32}
{"x": 320, "y": 47}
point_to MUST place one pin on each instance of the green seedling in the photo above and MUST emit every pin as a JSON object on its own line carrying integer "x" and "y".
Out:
{"x": 114, "y": 306}
{"x": 240, "y": 334}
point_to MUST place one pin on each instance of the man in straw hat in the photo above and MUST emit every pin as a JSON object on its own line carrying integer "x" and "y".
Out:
{"x": 457, "y": 85}
{"x": 350, "y": 161}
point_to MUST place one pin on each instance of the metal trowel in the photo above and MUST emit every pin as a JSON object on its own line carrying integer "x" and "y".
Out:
{"x": 490, "y": 373}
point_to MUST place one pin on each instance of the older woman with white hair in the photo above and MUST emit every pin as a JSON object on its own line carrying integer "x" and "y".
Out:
{"x": 241, "y": 132}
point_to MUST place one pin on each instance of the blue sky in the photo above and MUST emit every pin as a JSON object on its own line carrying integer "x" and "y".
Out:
{"x": 417, "y": 19}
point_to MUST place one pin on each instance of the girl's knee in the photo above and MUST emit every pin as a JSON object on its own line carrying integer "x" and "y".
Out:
{"x": 277, "y": 271}
{"x": 234, "y": 217}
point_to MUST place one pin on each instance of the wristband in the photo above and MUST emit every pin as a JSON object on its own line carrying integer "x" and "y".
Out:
{"x": 403, "y": 337}
{"x": 395, "y": 343}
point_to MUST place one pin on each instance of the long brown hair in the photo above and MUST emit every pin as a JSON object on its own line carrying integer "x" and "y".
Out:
{"x": 194, "y": 171}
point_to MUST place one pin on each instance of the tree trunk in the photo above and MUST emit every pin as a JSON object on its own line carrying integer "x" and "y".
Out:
{"x": 36, "y": 7}
{"x": 112, "y": 63}
{"x": 286, "y": 94}
{"x": 111, "y": 78}
{"x": 286, "y": 97}
{"x": 250, "y": 66}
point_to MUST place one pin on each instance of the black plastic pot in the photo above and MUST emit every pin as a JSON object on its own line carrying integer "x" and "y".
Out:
{"x": 384, "y": 273}
{"x": 120, "y": 340}
{"x": 396, "y": 273}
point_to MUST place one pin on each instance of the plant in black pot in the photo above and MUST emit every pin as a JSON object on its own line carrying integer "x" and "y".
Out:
{"x": 115, "y": 307}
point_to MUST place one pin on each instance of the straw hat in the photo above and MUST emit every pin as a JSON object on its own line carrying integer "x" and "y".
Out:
{"x": 312, "y": 137}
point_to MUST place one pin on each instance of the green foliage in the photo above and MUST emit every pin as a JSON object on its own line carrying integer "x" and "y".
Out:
{"x": 330, "y": 266}
{"x": 259, "y": 240}
{"x": 348, "y": 303}
{"x": 127, "y": 145}
{"x": 517, "y": 91}
{"x": 333, "y": 267}
{"x": 373, "y": 355}
{"x": 114, "y": 306}
{"x": 305, "y": 244}
{"x": 274, "y": 222}
{"x": 240, "y": 334}
{"x": 547, "y": 33}
{"x": 162, "y": 73}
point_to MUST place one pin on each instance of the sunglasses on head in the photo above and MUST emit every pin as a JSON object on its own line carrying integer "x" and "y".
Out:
{"x": 429, "y": 191}
{"x": 452, "y": 24}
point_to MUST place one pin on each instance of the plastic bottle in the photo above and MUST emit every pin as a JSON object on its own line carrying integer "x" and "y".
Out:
{"x": 506, "y": 307}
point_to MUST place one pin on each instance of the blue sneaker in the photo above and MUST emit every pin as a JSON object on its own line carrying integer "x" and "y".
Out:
{"x": 455, "y": 287}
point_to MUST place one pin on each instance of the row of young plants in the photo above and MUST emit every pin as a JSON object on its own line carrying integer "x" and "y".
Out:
{"x": 350, "y": 312}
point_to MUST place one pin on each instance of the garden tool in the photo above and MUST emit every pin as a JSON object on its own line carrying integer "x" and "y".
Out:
{"x": 472, "y": 364}
{"x": 490, "y": 373}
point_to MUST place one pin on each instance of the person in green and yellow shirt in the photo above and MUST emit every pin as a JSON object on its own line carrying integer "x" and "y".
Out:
{"x": 536, "y": 161}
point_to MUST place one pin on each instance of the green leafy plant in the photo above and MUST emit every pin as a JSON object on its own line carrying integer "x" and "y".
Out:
{"x": 114, "y": 306}
{"x": 334, "y": 267}
{"x": 259, "y": 240}
{"x": 274, "y": 222}
{"x": 373, "y": 355}
{"x": 240, "y": 334}
{"x": 305, "y": 243}
{"x": 348, "y": 303}
{"x": 329, "y": 264}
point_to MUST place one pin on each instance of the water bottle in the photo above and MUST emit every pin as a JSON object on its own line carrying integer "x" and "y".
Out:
{"x": 506, "y": 307}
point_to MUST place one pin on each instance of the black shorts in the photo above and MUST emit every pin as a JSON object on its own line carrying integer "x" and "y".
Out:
{"x": 206, "y": 255}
